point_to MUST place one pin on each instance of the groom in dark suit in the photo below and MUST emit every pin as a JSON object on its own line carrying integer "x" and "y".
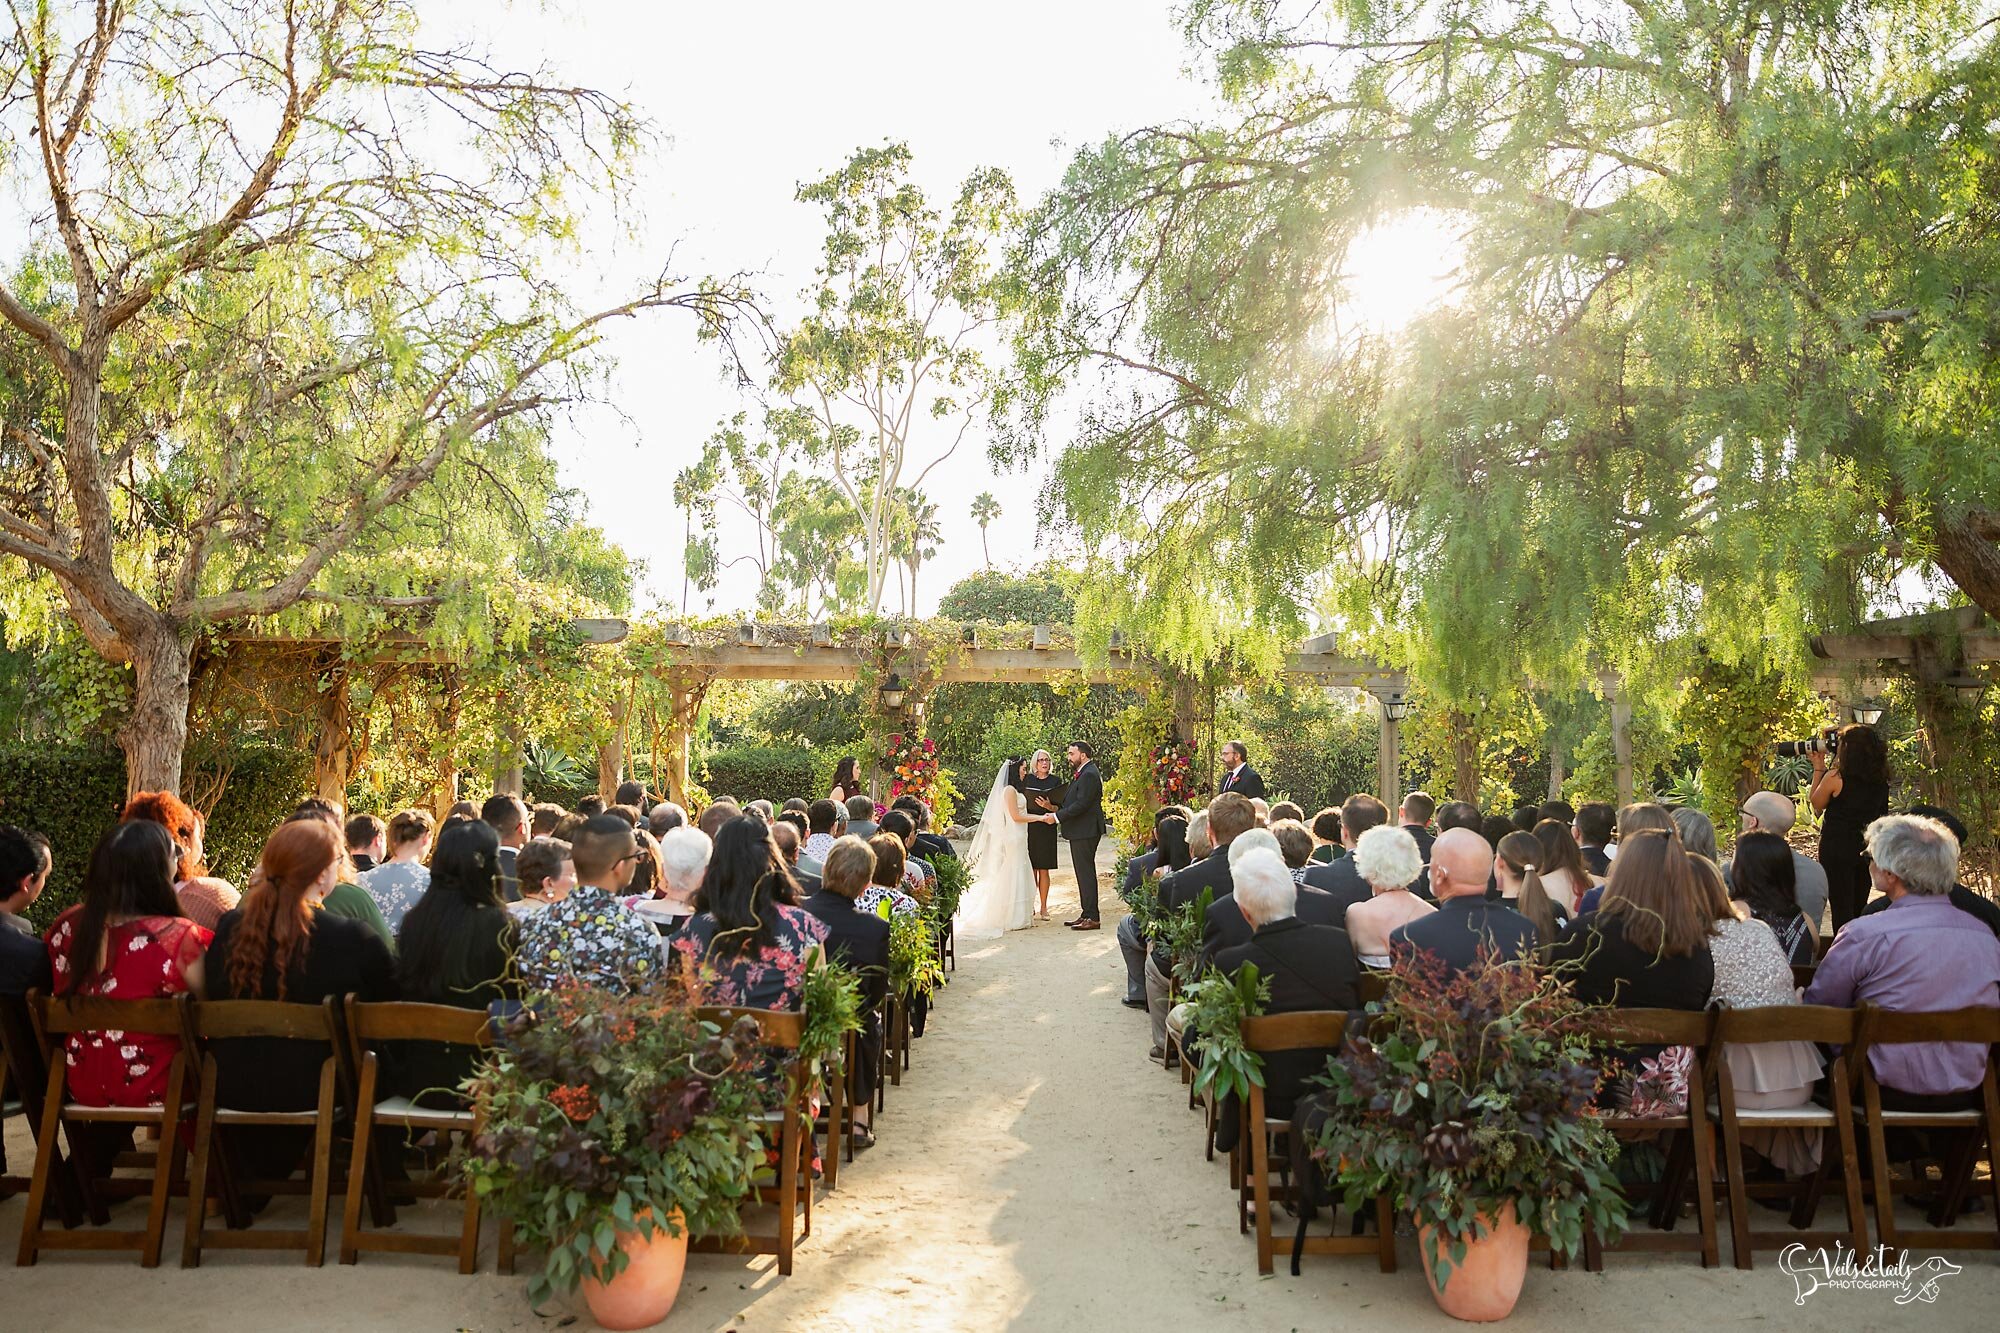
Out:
{"x": 1083, "y": 827}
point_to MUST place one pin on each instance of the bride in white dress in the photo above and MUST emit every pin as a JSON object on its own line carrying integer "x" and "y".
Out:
{"x": 1002, "y": 896}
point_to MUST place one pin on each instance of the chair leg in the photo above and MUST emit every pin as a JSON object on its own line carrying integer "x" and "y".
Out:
{"x": 468, "y": 1236}
{"x": 358, "y": 1177}
{"x": 166, "y": 1161}
{"x": 322, "y": 1170}
{"x": 788, "y": 1186}
{"x": 1385, "y": 1234}
{"x": 1878, "y": 1167}
{"x": 1703, "y": 1134}
{"x": 201, "y": 1167}
{"x": 1260, "y": 1180}
{"x": 1739, "y": 1203}
{"x": 45, "y": 1152}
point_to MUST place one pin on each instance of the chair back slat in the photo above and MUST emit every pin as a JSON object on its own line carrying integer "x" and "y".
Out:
{"x": 1882, "y": 1027}
{"x": 61, "y": 1015}
{"x": 781, "y": 1028}
{"x": 1671, "y": 1027}
{"x": 1294, "y": 1032}
{"x": 404, "y": 1020}
{"x": 1786, "y": 1022}
{"x": 222, "y": 1019}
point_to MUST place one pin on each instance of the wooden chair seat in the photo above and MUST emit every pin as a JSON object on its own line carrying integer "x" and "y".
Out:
{"x": 367, "y": 1027}
{"x": 55, "y": 1020}
{"x": 224, "y": 1020}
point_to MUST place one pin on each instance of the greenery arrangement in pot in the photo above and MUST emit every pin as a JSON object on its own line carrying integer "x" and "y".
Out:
{"x": 1469, "y": 1102}
{"x": 613, "y": 1127}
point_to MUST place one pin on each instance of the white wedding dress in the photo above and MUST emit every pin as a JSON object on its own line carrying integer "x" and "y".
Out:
{"x": 1002, "y": 896}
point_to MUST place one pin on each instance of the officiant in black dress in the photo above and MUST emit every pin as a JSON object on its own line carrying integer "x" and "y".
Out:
{"x": 1040, "y": 785}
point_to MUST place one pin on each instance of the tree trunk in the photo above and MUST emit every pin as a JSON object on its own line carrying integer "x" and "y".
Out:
{"x": 154, "y": 738}
{"x": 445, "y": 794}
{"x": 1972, "y": 562}
{"x": 1558, "y": 769}
{"x": 1464, "y": 759}
{"x": 333, "y": 747}
{"x": 611, "y": 754}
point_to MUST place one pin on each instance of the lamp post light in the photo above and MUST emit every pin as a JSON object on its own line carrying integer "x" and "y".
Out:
{"x": 1867, "y": 712}
{"x": 892, "y": 693}
{"x": 1396, "y": 706}
{"x": 1968, "y": 686}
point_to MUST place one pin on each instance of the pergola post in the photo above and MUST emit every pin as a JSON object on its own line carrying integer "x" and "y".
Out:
{"x": 333, "y": 745}
{"x": 1621, "y": 735}
{"x": 1389, "y": 744}
{"x": 690, "y": 689}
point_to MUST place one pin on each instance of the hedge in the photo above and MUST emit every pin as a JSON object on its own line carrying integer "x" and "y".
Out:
{"x": 773, "y": 772}
{"x": 72, "y": 794}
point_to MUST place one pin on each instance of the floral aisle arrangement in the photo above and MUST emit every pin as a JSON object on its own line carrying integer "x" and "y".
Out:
{"x": 914, "y": 968}
{"x": 1173, "y": 771}
{"x": 606, "y": 1116}
{"x": 1470, "y": 1102}
{"x": 914, "y": 771}
{"x": 954, "y": 877}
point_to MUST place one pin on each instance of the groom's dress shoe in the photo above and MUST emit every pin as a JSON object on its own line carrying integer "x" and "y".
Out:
{"x": 1072, "y": 922}
{"x": 1086, "y": 925}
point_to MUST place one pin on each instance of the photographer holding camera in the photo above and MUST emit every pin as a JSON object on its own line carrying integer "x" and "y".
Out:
{"x": 1849, "y": 795}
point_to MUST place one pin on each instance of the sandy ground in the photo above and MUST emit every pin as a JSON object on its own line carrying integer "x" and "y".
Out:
{"x": 1034, "y": 1172}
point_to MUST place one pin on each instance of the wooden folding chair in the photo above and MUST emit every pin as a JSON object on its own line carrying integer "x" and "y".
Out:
{"x": 1374, "y": 985}
{"x": 225, "y": 1020}
{"x": 790, "y": 1187}
{"x": 56, "y": 1020}
{"x": 369, "y": 1026}
{"x": 839, "y": 1110}
{"x": 1791, "y": 1022}
{"x": 1294, "y": 1032}
{"x": 1880, "y": 1027}
{"x": 1694, "y": 1147}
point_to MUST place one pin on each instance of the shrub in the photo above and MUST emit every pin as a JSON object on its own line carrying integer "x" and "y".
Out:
{"x": 72, "y": 793}
{"x": 773, "y": 772}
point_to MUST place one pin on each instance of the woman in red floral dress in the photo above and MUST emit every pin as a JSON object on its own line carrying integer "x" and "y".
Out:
{"x": 126, "y": 940}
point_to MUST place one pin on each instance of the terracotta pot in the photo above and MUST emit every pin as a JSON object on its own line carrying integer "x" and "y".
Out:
{"x": 645, "y": 1290}
{"x": 1486, "y": 1283}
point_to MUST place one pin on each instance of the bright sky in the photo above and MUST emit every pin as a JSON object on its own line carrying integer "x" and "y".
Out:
{"x": 755, "y": 99}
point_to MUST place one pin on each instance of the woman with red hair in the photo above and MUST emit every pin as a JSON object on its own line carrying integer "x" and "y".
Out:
{"x": 204, "y": 898}
{"x": 280, "y": 945}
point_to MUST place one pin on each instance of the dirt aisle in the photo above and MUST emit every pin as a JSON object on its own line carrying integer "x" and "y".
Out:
{"x": 1034, "y": 1172}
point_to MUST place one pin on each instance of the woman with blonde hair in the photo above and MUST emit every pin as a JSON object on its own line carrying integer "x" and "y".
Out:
{"x": 1388, "y": 861}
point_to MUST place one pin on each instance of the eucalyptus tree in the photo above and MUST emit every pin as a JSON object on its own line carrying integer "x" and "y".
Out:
{"x": 1719, "y": 365}
{"x": 287, "y": 266}
{"x": 889, "y": 362}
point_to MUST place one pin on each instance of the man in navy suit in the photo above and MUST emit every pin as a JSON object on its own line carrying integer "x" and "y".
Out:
{"x": 1083, "y": 827}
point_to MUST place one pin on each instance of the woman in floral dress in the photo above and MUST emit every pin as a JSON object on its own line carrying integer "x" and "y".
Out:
{"x": 751, "y": 948}
{"x": 126, "y": 940}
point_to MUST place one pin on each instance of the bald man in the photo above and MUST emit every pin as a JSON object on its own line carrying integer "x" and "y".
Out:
{"x": 1466, "y": 927}
{"x": 1774, "y": 812}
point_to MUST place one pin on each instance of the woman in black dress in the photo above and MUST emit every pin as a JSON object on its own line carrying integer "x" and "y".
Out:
{"x": 1036, "y": 784}
{"x": 1850, "y": 796}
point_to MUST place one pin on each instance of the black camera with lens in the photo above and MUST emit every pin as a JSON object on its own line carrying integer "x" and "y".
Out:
{"x": 1827, "y": 742}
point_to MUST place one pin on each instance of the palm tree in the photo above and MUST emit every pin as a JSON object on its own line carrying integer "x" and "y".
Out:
{"x": 984, "y": 510}
{"x": 921, "y": 535}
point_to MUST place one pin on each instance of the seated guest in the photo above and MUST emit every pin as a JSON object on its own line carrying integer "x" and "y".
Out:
{"x": 204, "y": 898}
{"x": 1387, "y": 861}
{"x": 1639, "y": 817}
{"x": 1964, "y": 899}
{"x": 1466, "y": 928}
{"x": 1697, "y": 832}
{"x": 1565, "y": 876}
{"x": 456, "y": 947}
{"x": 1227, "y": 818}
{"x": 794, "y": 804}
{"x": 1920, "y": 954}
{"x": 507, "y": 815}
{"x": 1494, "y": 828}
{"x": 1224, "y": 923}
{"x": 24, "y": 872}
{"x": 628, "y": 813}
{"x": 861, "y": 816}
{"x": 752, "y": 949}
{"x": 927, "y": 844}
{"x": 1592, "y": 825}
{"x": 348, "y": 899}
{"x": 918, "y": 878}
{"x": 1751, "y": 972}
{"x": 1358, "y": 814}
{"x": 1451, "y": 815}
{"x": 547, "y": 875}
{"x": 718, "y": 814}
{"x": 400, "y": 881}
{"x": 1645, "y": 947}
{"x": 646, "y": 869}
{"x": 126, "y": 939}
{"x": 1774, "y": 813}
{"x": 461, "y": 810}
{"x": 663, "y": 818}
{"x": 590, "y": 938}
{"x": 1559, "y": 810}
{"x": 590, "y": 807}
{"x": 1309, "y": 968}
{"x": 367, "y": 842}
{"x": 1762, "y": 875}
{"x": 684, "y": 854}
{"x": 763, "y": 809}
{"x": 824, "y": 819}
{"x": 1168, "y": 854}
{"x": 1517, "y": 875}
{"x": 859, "y": 941}
{"x": 1326, "y": 837}
{"x": 888, "y": 878}
{"x": 278, "y": 946}
{"x": 787, "y": 840}
{"x": 1415, "y": 819}
{"x": 1524, "y": 820}
{"x": 1263, "y": 809}
{"x": 631, "y": 792}
{"x": 1287, "y": 810}
{"x": 1295, "y": 845}
{"x": 542, "y": 823}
